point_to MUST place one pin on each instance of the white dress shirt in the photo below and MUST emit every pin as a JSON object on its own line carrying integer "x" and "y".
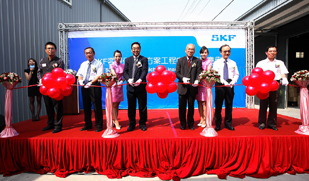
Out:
{"x": 277, "y": 66}
{"x": 233, "y": 70}
{"x": 96, "y": 69}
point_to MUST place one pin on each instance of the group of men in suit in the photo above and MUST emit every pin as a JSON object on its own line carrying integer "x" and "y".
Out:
{"x": 188, "y": 69}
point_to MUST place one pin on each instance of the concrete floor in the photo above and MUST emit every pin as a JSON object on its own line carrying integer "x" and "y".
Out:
{"x": 291, "y": 112}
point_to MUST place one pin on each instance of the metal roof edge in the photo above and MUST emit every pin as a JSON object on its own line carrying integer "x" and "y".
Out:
{"x": 116, "y": 10}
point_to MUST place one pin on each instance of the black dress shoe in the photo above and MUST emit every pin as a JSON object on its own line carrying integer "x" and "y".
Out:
{"x": 262, "y": 126}
{"x": 217, "y": 128}
{"x": 273, "y": 128}
{"x": 85, "y": 128}
{"x": 48, "y": 128}
{"x": 98, "y": 129}
{"x": 182, "y": 127}
{"x": 230, "y": 128}
{"x": 131, "y": 128}
{"x": 191, "y": 127}
{"x": 143, "y": 128}
{"x": 56, "y": 130}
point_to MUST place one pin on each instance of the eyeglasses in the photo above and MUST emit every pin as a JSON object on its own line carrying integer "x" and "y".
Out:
{"x": 227, "y": 51}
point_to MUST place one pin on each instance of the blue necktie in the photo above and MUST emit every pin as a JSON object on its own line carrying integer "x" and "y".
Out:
{"x": 88, "y": 73}
{"x": 225, "y": 71}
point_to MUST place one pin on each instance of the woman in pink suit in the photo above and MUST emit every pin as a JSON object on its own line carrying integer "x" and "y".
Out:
{"x": 201, "y": 95}
{"x": 117, "y": 68}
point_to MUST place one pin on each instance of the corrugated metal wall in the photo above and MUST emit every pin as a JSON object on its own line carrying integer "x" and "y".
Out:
{"x": 26, "y": 25}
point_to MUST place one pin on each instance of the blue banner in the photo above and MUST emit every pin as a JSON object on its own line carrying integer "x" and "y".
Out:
{"x": 160, "y": 50}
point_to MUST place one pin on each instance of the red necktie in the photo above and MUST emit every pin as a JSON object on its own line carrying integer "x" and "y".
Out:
{"x": 189, "y": 63}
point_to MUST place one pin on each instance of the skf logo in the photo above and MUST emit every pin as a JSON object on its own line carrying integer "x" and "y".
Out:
{"x": 222, "y": 37}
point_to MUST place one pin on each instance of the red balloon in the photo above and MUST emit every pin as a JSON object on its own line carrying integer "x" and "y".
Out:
{"x": 274, "y": 86}
{"x": 160, "y": 69}
{"x": 162, "y": 95}
{"x": 160, "y": 87}
{"x": 150, "y": 88}
{"x": 262, "y": 96}
{"x": 172, "y": 87}
{"x": 48, "y": 81}
{"x": 268, "y": 76}
{"x": 61, "y": 83}
{"x": 173, "y": 76}
{"x": 67, "y": 91}
{"x": 70, "y": 79}
{"x": 53, "y": 92}
{"x": 246, "y": 81}
{"x": 153, "y": 77}
{"x": 257, "y": 70}
{"x": 264, "y": 88}
{"x": 48, "y": 75}
{"x": 251, "y": 91}
{"x": 255, "y": 79}
{"x": 166, "y": 76}
{"x": 59, "y": 97}
{"x": 58, "y": 72}
{"x": 43, "y": 90}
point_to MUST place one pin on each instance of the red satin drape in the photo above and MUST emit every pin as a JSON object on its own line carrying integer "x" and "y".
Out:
{"x": 166, "y": 158}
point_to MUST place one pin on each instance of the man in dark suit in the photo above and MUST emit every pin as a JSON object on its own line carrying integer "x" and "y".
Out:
{"x": 135, "y": 71}
{"x": 188, "y": 69}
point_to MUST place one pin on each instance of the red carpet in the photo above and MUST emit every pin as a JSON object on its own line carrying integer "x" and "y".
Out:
{"x": 160, "y": 151}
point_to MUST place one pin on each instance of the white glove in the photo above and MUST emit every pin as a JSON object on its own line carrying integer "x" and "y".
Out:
{"x": 81, "y": 82}
{"x": 130, "y": 81}
{"x": 87, "y": 85}
{"x": 224, "y": 82}
{"x": 285, "y": 81}
{"x": 195, "y": 83}
{"x": 120, "y": 82}
{"x": 40, "y": 83}
{"x": 186, "y": 80}
{"x": 138, "y": 82}
{"x": 232, "y": 84}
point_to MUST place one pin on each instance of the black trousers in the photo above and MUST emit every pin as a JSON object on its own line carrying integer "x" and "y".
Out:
{"x": 92, "y": 95}
{"x": 272, "y": 102}
{"x": 141, "y": 96}
{"x": 227, "y": 94}
{"x": 183, "y": 100}
{"x": 51, "y": 105}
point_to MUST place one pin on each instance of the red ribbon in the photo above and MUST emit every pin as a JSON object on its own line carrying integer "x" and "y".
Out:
{"x": 145, "y": 83}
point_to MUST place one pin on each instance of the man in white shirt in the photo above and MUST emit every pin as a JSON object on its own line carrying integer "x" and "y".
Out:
{"x": 278, "y": 67}
{"x": 229, "y": 74}
{"x": 88, "y": 75}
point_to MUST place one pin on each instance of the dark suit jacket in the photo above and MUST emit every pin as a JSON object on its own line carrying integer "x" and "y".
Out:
{"x": 140, "y": 73}
{"x": 182, "y": 70}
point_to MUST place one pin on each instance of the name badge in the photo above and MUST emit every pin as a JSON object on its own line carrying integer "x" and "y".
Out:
{"x": 44, "y": 65}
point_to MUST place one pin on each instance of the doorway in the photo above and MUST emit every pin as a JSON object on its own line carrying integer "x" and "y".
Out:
{"x": 298, "y": 59}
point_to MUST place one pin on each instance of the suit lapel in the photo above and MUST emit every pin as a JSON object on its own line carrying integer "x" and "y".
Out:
{"x": 131, "y": 62}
